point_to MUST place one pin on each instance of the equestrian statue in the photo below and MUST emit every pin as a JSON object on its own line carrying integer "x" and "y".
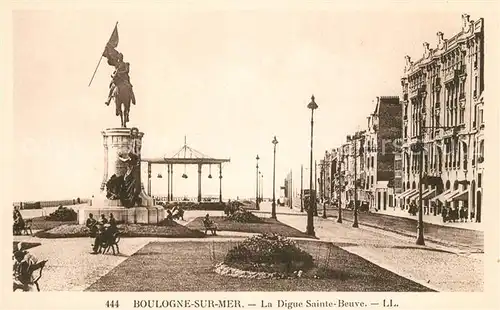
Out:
{"x": 120, "y": 88}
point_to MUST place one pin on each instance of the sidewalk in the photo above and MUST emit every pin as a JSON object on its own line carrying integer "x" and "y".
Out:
{"x": 432, "y": 219}
{"x": 464, "y": 239}
{"x": 437, "y": 267}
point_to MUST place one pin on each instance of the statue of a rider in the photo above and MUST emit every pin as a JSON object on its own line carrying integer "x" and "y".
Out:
{"x": 120, "y": 75}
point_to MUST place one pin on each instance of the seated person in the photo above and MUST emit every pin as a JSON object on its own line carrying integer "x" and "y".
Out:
{"x": 22, "y": 269}
{"x": 99, "y": 237}
{"x": 108, "y": 234}
{"x": 103, "y": 220}
{"x": 209, "y": 224}
{"x": 170, "y": 216}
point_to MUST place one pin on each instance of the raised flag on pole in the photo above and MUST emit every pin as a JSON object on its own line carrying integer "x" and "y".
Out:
{"x": 113, "y": 40}
{"x": 110, "y": 51}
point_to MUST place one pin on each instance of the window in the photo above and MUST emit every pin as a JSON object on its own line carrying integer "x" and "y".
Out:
{"x": 475, "y": 86}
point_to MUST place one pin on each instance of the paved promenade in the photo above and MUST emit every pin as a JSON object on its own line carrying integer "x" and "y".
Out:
{"x": 466, "y": 239}
{"x": 436, "y": 266}
{"x": 71, "y": 267}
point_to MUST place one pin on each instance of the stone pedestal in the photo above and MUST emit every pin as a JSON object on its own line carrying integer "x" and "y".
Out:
{"x": 119, "y": 141}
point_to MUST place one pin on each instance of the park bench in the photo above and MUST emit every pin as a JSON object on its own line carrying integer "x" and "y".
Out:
{"x": 210, "y": 226}
{"x": 111, "y": 242}
{"x": 36, "y": 268}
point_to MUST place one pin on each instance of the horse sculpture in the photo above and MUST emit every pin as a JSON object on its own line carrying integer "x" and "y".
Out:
{"x": 122, "y": 95}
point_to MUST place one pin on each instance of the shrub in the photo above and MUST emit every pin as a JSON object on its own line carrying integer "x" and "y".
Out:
{"x": 269, "y": 253}
{"x": 243, "y": 216}
{"x": 62, "y": 214}
{"x": 206, "y": 206}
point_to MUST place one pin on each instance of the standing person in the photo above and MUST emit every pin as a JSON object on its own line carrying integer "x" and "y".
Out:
{"x": 112, "y": 225}
{"x": 18, "y": 222}
{"x": 444, "y": 214}
{"x": 91, "y": 225}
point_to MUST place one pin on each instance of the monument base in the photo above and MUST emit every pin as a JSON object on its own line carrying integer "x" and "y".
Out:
{"x": 136, "y": 215}
{"x": 148, "y": 213}
{"x": 117, "y": 142}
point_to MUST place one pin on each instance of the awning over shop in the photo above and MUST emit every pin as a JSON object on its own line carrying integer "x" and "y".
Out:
{"x": 429, "y": 194}
{"x": 407, "y": 193}
{"x": 447, "y": 198}
{"x": 441, "y": 196}
{"x": 461, "y": 195}
{"x": 415, "y": 196}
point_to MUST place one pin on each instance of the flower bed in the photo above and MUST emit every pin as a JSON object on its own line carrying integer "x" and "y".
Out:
{"x": 206, "y": 206}
{"x": 62, "y": 214}
{"x": 173, "y": 230}
{"x": 243, "y": 216}
{"x": 269, "y": 253}
{"x": 225, "y": 270}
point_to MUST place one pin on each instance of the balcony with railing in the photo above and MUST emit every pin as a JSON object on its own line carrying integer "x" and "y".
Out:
{"x": 462, "y": 71}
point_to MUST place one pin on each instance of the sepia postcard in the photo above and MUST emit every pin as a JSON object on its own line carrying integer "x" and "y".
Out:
{"x": 250, "y": 154}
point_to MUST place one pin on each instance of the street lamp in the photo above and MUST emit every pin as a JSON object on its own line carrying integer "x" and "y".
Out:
{"x": 355, "y": 138}
{"x": 310, "y": 221}
{"x": 419, "y": 147}
{"x": 321, "y": 186}
{"x": 257, "y": 184}
{"x": 273, "y": 210}
{"x": 261, "y": 187}
{"x": 301, "y": 188}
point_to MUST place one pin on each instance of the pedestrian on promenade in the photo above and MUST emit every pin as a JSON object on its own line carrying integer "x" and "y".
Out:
{"x": 91, "y": 225}
{"x": 444, "y": 214}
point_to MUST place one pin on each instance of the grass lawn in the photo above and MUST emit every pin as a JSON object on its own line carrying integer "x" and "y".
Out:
{"x": 267, "y": 225}
{"x": 126, "y": 230}
{"x": 187, "y": 266}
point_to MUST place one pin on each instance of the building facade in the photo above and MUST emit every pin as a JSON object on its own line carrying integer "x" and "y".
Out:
{"x": 443, "y": 116}
{"x": 328, "y": 169}
{"x": 351, "y": 161}
{"x": 382, "y": 134}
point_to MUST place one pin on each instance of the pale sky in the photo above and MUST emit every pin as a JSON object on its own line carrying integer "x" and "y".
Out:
{"x": 228, "y": 79}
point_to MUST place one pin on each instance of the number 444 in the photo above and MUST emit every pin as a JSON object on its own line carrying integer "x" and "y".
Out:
{"x": 112, "y": 304}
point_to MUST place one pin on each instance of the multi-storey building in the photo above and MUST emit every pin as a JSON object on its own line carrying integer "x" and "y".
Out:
{"x": 398, "y": 177}
{"x": 383, "y": 131}
{"x": 352, "y": 164}
{"x": 443, "y": 114}
{"x": 328, "y": 168}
